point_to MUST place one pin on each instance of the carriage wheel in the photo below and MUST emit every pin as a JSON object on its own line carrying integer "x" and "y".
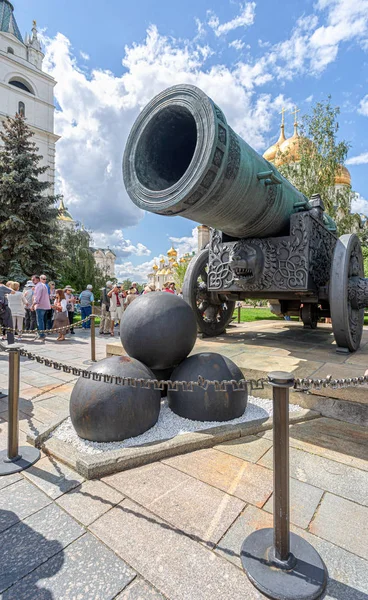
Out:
{"x": 309, "y": 315}
{"x": 213, "y": 311}
{"x": 347, "y": 265}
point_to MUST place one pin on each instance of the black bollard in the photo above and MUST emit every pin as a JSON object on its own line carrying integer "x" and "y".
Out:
{"x": 281, "y": 564}
{"x": 15, "y": 459}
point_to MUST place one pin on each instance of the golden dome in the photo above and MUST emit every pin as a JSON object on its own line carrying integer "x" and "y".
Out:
{"x": 64, "y": 215}
{"x": 175, "y": 264}
{"x": 291, "y": 149}
{"x": 172, "y": 252}
{"x": 182, "y": 260}
{"x": 162, "y": 260}
{"x": 161, "y": 272}
{"x": 155, "y": 267}
{"x": 343, "y": 176}
{"x": 270, "y": 154}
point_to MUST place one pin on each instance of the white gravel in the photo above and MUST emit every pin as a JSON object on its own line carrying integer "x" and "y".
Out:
{"x": 168, "y": 425}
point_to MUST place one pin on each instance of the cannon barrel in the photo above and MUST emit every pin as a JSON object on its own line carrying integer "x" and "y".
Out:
{"x": 182, "y": 158}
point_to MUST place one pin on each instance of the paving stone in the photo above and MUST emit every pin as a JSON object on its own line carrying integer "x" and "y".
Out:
{"x": 53, "y": 477}
{"x": 89, "y": 501}
{"x": 85, "y": 570}
{"x": 9, "y": 480}
{"x": 250, "y": 520}
{"x": 336, "y": 440}
{"x": 326, "y": 474}
{"x": 344, "y": 523}
{"x": 55, "y": 404}
{"x": 247, "y": 481}
{"x": 26, "y": 423}
{"x": 140, "y": 590}
{"x": 348, "y": 573}
{"x": 4, "y": 435}
{"x": 177, "y": 566}
{"x": 250, "y": 448}
{"x": 31, "y": 542}
{"x": 18, "y": 501}
{"x": 194, "y": 507}
{"x": 30, "y": 411}
{"x": 304, "y": 499}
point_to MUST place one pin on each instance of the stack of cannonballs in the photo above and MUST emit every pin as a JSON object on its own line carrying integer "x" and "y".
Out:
{"x": 158, "y": 331}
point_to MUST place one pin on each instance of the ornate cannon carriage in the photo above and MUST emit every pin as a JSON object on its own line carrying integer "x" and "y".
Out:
{"x": 267, "y": 239}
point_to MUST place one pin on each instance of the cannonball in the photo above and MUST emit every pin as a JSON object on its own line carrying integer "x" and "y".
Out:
{"x": 159, "y": 329}
{"x": 163, "y": 375}
{"x": 207, "y": 405}
{"x": 107, "y": 412}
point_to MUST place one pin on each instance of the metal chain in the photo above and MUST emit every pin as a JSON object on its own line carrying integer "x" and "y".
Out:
{"x": 64, "y": 328}
{"x": 220, "y": 386}
{"x": 304, "y": 384}
{"x": 307, "y": 383}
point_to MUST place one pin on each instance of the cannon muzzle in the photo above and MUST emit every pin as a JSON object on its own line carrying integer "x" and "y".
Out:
{"x": 182, "y": 158}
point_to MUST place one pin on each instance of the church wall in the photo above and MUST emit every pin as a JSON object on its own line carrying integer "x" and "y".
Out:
{"x": 7, "y": 41}
{"x": 39, "y": 107}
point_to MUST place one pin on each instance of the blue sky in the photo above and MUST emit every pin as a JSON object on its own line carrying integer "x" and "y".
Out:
{"x": 110, "y": 58}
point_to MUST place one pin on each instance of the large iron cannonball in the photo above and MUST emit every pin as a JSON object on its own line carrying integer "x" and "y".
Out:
{"x": 207, "y": 405}
{"x": 107, "y": 412}
{"x": 159, "y": 329}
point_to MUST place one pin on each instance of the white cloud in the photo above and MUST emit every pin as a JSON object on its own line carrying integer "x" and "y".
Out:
{"x": 84, "y": 55}
{"x": 127, "y": 270}
{"x": 237, "y": 44}
{"x": 359, "y": 205}
{"x": 309, "y": 99}
{"x": 121, "y": 247}
{"x": 363, "y": 106}
{"x": 98, "y": 108}
{"x": 244, "y": 19}
{"x": 186, "y": 244}
{"x": 361, "y": 159}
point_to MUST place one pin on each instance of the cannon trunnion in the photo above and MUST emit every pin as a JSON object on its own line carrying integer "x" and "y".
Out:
{"x": 268, "y": 240}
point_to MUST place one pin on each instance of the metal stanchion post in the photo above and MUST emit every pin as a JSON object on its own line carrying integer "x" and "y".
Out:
{"x": 93, "y": 338}
{"x": 281, "y": 564}
{"x": 15, "y": 459}
{"x": 239, "y": 313}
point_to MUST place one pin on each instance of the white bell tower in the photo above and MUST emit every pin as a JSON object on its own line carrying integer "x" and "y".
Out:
{"x": 24, "y": 87}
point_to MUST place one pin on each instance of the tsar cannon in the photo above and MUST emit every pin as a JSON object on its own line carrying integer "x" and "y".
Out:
{"x": 268, "y": 240}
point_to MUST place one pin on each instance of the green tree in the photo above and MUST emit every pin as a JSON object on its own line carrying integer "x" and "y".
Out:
{"x": 365, "y": 257}
{"x": 127, "y": 283}
{"x": 28, "y": 226}
{"x": 179, "y": 274}
{"x": 321, "y": 159}
{"x": 77, "y": 265}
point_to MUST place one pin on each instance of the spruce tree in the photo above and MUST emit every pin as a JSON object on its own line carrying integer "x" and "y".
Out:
{"x": 28, "y": 225}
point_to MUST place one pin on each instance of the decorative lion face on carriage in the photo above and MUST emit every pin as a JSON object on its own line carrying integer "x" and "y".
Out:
{"x": 247, "y": 262}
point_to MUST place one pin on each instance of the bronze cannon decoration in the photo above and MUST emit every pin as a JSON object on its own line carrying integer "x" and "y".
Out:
{"x": 268, "y": 240}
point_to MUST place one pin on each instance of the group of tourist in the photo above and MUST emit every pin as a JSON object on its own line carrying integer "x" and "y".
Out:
{"x": 114, "y": 300}
{"x": 38, "y": 307}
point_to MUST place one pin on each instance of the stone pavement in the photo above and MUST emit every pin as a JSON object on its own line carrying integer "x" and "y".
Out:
{"x": 173, "y": 529}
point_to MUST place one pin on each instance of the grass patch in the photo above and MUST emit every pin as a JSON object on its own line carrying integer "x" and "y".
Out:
{"x": 262, "y": 314}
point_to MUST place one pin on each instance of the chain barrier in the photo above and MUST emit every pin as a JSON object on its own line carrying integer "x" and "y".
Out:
{"x": 56, "y": 330}
{"x": 305, "y": 384}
